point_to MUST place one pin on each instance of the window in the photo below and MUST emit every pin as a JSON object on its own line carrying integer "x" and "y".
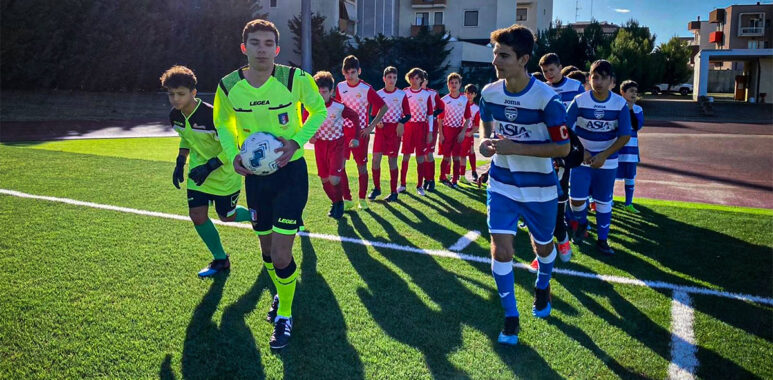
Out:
{"x": 272, "y": 3}
{"x": 753, "y": 44}
{"x": 470, "y": 18}
{"x": 520, "y": 14}
{"x": 422, "y": 18}
{"x": 438, "y": 18}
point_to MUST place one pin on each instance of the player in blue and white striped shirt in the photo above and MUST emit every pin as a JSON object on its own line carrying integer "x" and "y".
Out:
{"x": 529, "y": 121}
{"x": 629, "y": 154}
{"x": 602, "y": 122}
{"x": 566, "y": 88}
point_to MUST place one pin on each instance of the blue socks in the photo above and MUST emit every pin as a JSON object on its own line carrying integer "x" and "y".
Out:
{"x": 629, "y": 191}
{"x": 503, "y": 276}
{"x": 545, "y": 269}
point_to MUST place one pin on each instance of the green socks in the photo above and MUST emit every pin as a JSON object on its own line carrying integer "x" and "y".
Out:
{"x": 270, "y": 269}
{"x": 211, "y": 238}
{"x": 242, "y": 214}
{"x": 285, "y": 288}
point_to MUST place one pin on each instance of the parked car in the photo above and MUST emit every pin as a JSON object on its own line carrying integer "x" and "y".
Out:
{"x": 684, "y": 88}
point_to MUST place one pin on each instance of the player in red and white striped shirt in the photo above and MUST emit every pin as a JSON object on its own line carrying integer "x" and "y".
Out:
{"x": 455, "y": 120}
{"x": 330, "y": 144}
{"x": 362, "y": 98}
{"x": 417, "y": 130}
{"x": 389, "y": 132}
{"x": 435, "y": 126}
{"x": 468, "y": 145}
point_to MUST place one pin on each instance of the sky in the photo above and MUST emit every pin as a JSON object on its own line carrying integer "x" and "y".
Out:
{"x": 665, "y": 18}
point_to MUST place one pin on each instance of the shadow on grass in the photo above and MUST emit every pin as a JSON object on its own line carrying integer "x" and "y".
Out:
{"x": 320, "y": 333}
{"x": 227, "y": 351}
{"x": 435, "y": 332}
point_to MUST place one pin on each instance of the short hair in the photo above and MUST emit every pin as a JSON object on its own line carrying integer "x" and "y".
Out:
{"x": 390, "y": 70}
{"x": 628, "y": 84}
{"x": 568, "y": 69}
{"x": 538, "y": 76}
{"x": 518, "y": 37}
{"x": 550, "y": 59}
{"x": 324, "y": 79}
{"x": 178, "y": 76}
{"x": 260, "y": 25}
{"x": 412, "y": 73}
{"x": 471, "y": 88}
{"x": 578, "y": 75}
{"x": 351, "y": 62}
{"x": 454, "y": 76}
{"x": 602, "y": 67}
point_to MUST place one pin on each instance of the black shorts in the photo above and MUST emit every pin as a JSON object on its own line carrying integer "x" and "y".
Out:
{"x": 276, "y": 201}
{"x": 225, "y": 205}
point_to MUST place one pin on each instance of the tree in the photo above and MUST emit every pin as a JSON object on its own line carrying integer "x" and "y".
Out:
{"x": 594, "y": 40}
{"x": 676, "y": 56}
{"x": 631, "y": 56}
{"x": 328, "y": 48}
{"x": 561, "y": 40}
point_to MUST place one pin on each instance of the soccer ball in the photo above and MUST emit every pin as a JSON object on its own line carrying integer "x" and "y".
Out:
{"x": 258, "y": 154}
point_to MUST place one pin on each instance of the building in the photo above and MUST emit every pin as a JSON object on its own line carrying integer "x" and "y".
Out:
{"x": 739, "y": 43}
{"x": 607, "y": 28}
{"x": 469, "y": 23}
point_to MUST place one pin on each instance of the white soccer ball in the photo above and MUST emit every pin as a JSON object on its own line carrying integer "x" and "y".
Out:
{"x": 258, "y": 154}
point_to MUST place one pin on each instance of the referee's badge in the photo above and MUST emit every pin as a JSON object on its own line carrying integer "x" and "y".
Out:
{"x": 283, "y": 118}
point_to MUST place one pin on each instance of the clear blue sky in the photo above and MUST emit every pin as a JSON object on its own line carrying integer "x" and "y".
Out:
{"x": 665, "y": 18}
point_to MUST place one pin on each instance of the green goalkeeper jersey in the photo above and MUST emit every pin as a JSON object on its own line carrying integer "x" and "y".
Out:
{"x": 275, "y": 107}
{"x": 198, "y": 135}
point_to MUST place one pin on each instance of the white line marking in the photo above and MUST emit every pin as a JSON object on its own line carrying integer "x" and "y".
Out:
{"x": 465, "y": 240}
{"x": 431, "y": 252}
{"x": 683, "y": 360}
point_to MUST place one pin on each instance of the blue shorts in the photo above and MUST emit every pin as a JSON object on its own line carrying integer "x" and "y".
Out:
{"x": 585, "y": 181}
{"x": 626, "y": 170}
{"x": 503, "y": 214}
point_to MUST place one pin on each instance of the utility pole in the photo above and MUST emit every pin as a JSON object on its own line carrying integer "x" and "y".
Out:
{"x": 306, "y": 35}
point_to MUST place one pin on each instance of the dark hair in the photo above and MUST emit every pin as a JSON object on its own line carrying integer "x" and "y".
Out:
{"x": 454, "y": 75}
{"x": 538, "y": 76}
{"x": 178, "y": 76}
{"x": 550, "y": 59}
{"x": 578, "y": 75}
{"x": 518, "y": 37}
{"x": 351, "y": 62}
{"x": 390, "y": 70}
{"x": 412, "y": 73}
{"x": 602, "y": 67}
{"x": 424, "y": 75}
{"x": 324, "y": 79}
{"x": 627, "y": 85}
{"x": 568, "y": 69}
{"x": 471, "y": 88}
{"x": 260, "y": 25}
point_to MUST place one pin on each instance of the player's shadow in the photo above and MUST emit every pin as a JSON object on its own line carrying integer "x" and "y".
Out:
{"x": 320, "y": 346}
{"x": 437, "y": 231}
{"x": 228, "y": 350}
{"x": 627, "y": 317}
{"x": 432, "y": 326}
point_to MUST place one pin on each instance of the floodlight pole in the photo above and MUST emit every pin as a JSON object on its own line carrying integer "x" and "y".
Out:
{"x": 306, "y": 35}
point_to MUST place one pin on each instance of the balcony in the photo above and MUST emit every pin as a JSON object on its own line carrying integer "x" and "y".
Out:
{"x": 428, "y": 3}
{"x": 716, "y": 37}
{"x": 717, "y": 16}
{"x": 436, "y": 29}
{"x": 694, "y": 25}
{"x": 751, "y": 31}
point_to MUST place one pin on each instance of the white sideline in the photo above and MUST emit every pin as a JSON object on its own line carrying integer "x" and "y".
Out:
{"x": 465, "y": 240}
{"x": 683, "y": 360}
{"x": 440, "y": 253}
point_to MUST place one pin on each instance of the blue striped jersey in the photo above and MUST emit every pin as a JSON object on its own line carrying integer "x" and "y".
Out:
{"x": 567, "y": 89}
{"x": 630, "y": 152}
{"x": 598, "y": 124}
{"x": 534, "y": 115}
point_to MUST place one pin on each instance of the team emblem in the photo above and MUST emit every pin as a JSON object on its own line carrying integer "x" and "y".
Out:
{"x": 283, "y": 118}
{"x": 599, "y": 114}
{"x": 511, "y": 113}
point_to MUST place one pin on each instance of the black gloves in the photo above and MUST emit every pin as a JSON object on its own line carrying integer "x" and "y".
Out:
{"x": 200, "y": 173}
{"x": 177, "y": 177}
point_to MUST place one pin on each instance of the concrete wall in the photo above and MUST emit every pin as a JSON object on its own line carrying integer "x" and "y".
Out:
{"x": 492, "y": 14}
{"x": 722, "y": 80}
